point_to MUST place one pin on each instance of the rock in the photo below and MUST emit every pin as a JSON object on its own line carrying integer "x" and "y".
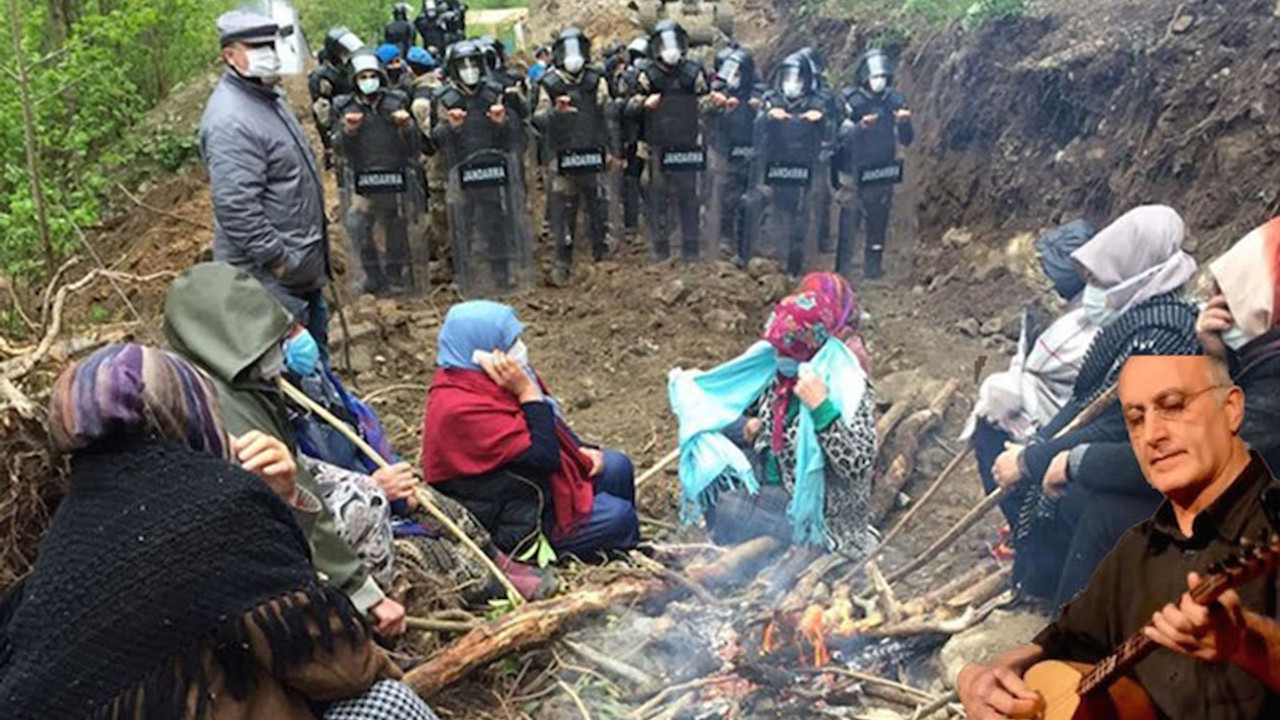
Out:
{"x": 992, "y": 326}
{"x": 758, "y": 267}
{"x": 990, "y": 273}
{"x": 671, "y": 293}
{"x": 895, "y": 386}
{"x": 724, "y": 320}
{"x": 362, "y": 359}
{"x": 957, "y": 237}
{"x": 881, "y": 714}
{"x": 775, "y": 287}
{"x": 1182, "y": 23}
{"x": 359, "y": 331}
{"x": 1000, "y": 632}
{"x": 918, "y": 290}
{"x": 968, "y": 326}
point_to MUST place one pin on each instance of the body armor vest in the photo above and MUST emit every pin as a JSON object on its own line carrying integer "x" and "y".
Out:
{"x": 675, "y": 122}
{"x": 581, "y": 130}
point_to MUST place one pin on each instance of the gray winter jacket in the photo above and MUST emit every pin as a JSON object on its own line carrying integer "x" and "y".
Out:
{"x": 268, "y": 200}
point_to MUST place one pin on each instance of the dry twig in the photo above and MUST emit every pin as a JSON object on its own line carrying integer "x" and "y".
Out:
{"x": 573, "y": 694}
{"x": 158, "y": 211}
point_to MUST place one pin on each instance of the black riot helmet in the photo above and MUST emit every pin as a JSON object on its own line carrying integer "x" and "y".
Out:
{"x": 638, "y": 48}
{"x": 495, "y": 54}
{"x": 341, "y": 43}
{"x": 400, "y": 12}
{"x": 430, "y": 8}
{"x": 735, "y": 71}
{"x": 875, "y": 64}
{"x": 794, "y": 77}
{"x": 814, "y": 58}
{"x": 465, "y": 63}
{"x": 669, "y": 42}
{"x": 571, "y": 51}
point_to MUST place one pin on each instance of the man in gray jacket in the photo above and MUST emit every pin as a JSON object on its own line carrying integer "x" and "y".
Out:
{"x": 268, "y": 198}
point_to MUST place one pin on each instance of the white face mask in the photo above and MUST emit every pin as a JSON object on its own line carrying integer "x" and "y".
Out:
{"x": 879, "y": 83}
{"x": 264, "y": 64}
{"x": 369, "y": 85}
{"x": 469, "y": 75}
{"x": 792, "y": 88}
{"x": 520, "y": 353}
{"x": 671, "y": 56}
{"x": 1094, "y": 302}
{"x": 573, "y": 64}
{"x": 1235, "y": 338}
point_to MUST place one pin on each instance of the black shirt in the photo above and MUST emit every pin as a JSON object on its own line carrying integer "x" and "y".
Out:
{"x": 1147, "y": 570}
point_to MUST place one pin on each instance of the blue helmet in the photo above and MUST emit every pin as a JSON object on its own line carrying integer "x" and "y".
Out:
{"x": 387, "y": 53}
{"x": 420, "y": 59}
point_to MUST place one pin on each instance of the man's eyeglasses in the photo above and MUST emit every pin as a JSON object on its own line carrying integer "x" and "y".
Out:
{"x": 1171, "y": 407}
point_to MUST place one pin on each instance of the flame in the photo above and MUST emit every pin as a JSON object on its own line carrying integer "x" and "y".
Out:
{"x": 813, "y": 629}
{"x": 770, "y": 641}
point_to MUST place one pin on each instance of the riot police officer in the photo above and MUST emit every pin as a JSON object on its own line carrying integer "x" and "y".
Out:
{"x": 631, "y": 130}
{"x": 378, "y": 139}
{"x": 732, "y": 141}
{"x": 574, "y": 113}
{"x": 822, "y": 183}
{"x": 876, "y": 121}
{"x": 790, "y": 131}
{"x": 668, "y": 95}
{"x": 432, "y": 26}
{"x": 492, "y": 252}
{"x": 399, "y": 31}
{"x": 330, "y": 80}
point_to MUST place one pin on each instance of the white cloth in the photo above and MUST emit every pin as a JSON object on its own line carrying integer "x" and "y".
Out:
{"x": 1039, "y": 380}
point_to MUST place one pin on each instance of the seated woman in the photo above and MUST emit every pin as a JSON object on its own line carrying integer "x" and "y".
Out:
{"x": 1135, "y": 272}
{"x": 1012, "y": 405}
{"x": 357, "y": 489}
{"x": 496, "y": 441}
{"x": 780, "y": 441}
{"x": 171, "y": 584}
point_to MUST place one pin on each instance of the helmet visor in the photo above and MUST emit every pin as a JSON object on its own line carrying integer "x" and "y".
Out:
{"x": 730, "y": 72}
{"x": 572, "y": 53}
{"x": 878, "y": 65}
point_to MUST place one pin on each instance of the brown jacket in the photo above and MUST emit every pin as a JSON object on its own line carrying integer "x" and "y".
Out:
{"x": 347, "y": 672}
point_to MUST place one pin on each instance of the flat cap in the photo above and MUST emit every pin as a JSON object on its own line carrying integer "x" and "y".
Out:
{"x": 246, "y": 27}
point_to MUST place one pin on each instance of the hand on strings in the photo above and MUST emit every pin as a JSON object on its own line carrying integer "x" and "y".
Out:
{"x": 1213, "y": 633}
{"x": 995, "y": 693}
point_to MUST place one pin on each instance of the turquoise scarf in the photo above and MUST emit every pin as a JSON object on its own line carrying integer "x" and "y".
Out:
{"x": 706, "y": 402}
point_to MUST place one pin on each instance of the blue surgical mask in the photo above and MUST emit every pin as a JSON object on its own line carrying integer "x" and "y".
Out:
{"x": 1094, "y": 302}
{"x": 302, "y": 354}
{"x": 788, "y": 367}
{"x": 1235, "y": 338}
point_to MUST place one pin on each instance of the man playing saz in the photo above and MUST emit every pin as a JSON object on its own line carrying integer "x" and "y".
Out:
{"x": 1211, "y": 659}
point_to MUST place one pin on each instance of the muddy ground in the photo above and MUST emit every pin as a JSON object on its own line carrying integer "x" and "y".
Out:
{"x": 1075, "y": 109}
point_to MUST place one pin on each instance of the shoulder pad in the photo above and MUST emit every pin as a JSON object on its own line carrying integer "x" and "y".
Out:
{"x": 552, "y": 81}
{"x": 690, "y": 70}
{"x": 396, "y": 98}
{"x": 896, "y": 100}
{"x": 343, "y": 100}
{"x": 448, "y": 96}
{"x": 592, "y": 76}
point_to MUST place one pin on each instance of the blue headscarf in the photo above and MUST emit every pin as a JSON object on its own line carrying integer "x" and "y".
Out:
{"x": 475, "y": 325}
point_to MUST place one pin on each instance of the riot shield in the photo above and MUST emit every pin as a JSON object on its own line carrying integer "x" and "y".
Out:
{"x": 386, "y": 256}
{"x": 492, "y": 248}
{"x": 675, "y": 166}
{"x": 780, "y": 215}
{"x": 578, "y": 192}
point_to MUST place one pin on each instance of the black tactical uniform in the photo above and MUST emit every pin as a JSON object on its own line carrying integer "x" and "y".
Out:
{"x": 631, "y": 129}
{"x": 328, "y": 81}
{"x": 789, "y": 139}
{"x": 485, "y": 195}
{"x": 673, "y": 140}
{"x": 399, "y": 31}
{"x": 379, "y": 150}
{"x": 874, "y": 126}
{"x": 574, "y": 113}
{"x": 732, "y": 142}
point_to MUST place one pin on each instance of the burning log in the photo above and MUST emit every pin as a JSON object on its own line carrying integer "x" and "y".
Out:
{"x": 536, "y": 623}
{"x": 914, "y": 430}
{"x": 885, "y": 593}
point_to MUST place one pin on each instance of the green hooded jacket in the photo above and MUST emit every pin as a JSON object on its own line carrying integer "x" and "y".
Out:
{"x": 225, "y": 321}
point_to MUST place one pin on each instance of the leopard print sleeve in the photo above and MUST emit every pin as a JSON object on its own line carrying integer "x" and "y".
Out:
{"x": 849, "y": 447}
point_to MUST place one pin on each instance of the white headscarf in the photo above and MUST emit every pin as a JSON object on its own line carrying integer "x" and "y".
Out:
{"x": 1138, "y": 257}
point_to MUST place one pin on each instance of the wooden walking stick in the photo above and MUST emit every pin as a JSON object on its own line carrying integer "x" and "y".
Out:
{"x": 1091, "y": 411}
{"x": 928, "y": 494}
{"x": 423, "y": 498}
{"x": 658, "y": 467}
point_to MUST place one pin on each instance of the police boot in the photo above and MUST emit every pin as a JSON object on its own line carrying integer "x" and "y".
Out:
{"x": 871, "y": 265}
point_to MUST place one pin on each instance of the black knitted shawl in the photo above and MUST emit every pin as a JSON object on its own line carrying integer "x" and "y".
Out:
{"x": 1161, "y": 325}
{"x": 158, "y": 557}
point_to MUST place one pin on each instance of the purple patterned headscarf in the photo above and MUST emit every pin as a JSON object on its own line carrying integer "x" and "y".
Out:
{"x": 124, "y": 390}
